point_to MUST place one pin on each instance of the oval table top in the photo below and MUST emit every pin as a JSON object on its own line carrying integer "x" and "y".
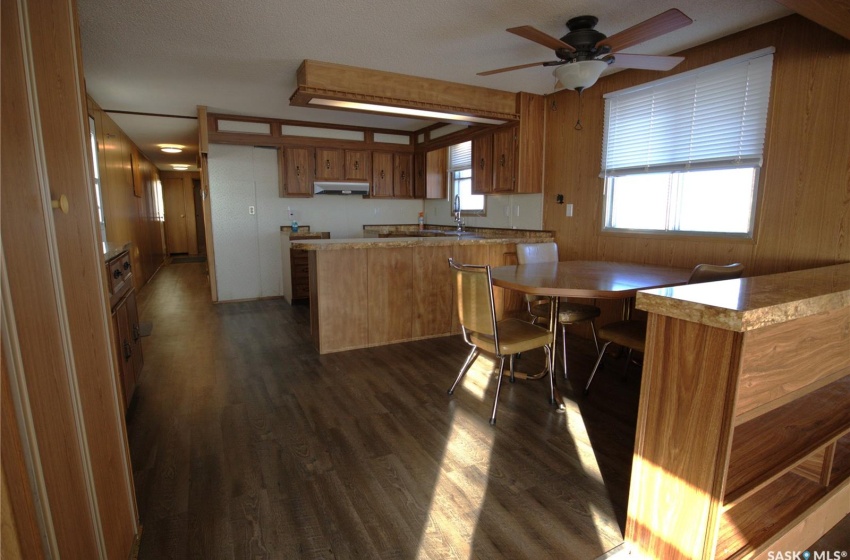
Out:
{"x": 587, "y": 279}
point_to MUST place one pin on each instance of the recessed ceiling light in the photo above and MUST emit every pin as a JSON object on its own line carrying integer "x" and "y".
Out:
{"x": 171, "y": 149}
{"x": 180, "y": 166}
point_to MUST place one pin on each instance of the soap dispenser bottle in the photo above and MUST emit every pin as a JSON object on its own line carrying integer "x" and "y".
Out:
{"x": 421, "y": 221}
{"x": 294, "y": 225}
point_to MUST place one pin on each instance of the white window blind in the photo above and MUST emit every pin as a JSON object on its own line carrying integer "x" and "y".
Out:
{"x": 711, "y": 117}
{"x": 460, "y": 156}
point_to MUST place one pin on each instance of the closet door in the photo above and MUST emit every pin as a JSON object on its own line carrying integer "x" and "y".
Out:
{"x": 270, "y": 215}
{"x": 233, "y": 206}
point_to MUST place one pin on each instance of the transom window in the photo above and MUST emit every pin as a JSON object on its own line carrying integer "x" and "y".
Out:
{"x": 682, "y": 154}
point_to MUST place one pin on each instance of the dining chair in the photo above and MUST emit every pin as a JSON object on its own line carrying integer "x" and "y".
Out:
{"x": 481, "y": 330}
{"x": 538, "y": 307}
{"x": 631, "y": 334}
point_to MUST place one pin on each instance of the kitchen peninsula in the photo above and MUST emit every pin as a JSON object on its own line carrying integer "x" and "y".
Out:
{"x": 374, "y": 291}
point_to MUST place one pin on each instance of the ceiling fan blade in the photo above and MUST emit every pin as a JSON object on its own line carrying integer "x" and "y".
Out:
{"x": 532, "y": 34}
{"x": 509, "y": 68}
{"x": 645, "y": 61}
{"x": 665, "y": 22}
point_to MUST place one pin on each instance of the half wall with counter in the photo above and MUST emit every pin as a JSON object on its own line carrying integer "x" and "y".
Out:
{"x": 743, "y": 433}
{"x": 370, "y": 292}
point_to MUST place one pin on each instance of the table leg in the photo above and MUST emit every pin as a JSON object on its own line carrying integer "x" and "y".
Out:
{"x": 555, "y": 394}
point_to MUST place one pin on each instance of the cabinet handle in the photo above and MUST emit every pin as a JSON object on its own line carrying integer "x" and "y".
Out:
{"x": 297, "y": 171}
{"x": 357, "y": 165}
{"x": 327, "y": 164}
{"x": 502, "y": 160}
{"x": 126, "y": 265}
{"x": 403, "y": 176}
{"x": 116, "y": 273}
{"x": 137, "y": 333}
{"x": 128, "y": 351}
{"x": 382, "y": 173}
{"x": 481, "y": 163}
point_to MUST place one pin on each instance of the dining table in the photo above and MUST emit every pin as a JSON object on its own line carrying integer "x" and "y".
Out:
{"x": 586, "y": 280}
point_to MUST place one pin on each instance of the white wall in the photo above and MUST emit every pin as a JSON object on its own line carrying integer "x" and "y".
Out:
{"x": 518, "y": 211}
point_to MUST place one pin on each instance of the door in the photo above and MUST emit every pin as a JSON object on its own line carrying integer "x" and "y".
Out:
{"x": 200, "y": 229}
{"x": 174, "y": 203}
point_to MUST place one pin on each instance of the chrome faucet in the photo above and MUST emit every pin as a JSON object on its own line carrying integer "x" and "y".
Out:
{"x": 458, "y": 220}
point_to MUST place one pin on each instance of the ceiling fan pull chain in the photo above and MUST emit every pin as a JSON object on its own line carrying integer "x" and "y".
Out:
{"x": 578, "y": 125}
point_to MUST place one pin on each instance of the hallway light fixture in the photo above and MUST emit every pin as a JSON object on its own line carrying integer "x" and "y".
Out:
{"x": 171, "y": 148}
{"x": 336, "y": 86}
{"x": 179, "y": 166}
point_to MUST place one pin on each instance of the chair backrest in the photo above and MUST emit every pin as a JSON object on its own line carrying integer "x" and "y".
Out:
{"x": 714, "y": 272}
{"x": 527, "y": 253}
{"x": 475, "y": 304}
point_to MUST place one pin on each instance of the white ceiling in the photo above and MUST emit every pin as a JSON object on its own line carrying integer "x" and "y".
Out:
{"x": 169, "y": 56}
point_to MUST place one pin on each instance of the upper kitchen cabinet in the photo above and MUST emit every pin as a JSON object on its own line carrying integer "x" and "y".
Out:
{"x": 482, "y": 164}
{"x": 504, "y": 158}
{"x": 382, "y": 174}
{"x": 510, "y": 159}
{"x": 358, "y": 165}
{"x": 329, "y": 164}
{"x": 336, "y": 164}
{"x": 429, "y": 174}
{"x": 403, "y": 175}
{"x": 529, "y": 143}
{"x": 297, "y": 167}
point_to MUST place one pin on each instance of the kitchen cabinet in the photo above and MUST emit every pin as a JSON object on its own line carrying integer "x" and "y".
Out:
{"x": 403, "y": 175}
{"x": 329, "y": 164}
{"x": 297, "y": 169}
{"x": 382, "y": 174}
{"x": 504, "y": 158}
{"x": 510, "y": 159}
{"x": 125, "y": 323}
{"x": 430, "y": 174}
{"x": 358, "y": 165}
{"x": 482, "y": 164}
{"x": 300, "y": 267}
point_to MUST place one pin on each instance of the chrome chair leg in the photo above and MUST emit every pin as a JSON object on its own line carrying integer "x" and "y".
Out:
{"x": 498, "y": 389}
{"x": 564, "y": 348}
{"x": 628, "y": 361}
{"x": 551, "y": 375}
{"x": 595, "y": 367}
{"x": 466, "y": 365}
{"x": 512, "y": 367}
{"x": 593, "y": 331}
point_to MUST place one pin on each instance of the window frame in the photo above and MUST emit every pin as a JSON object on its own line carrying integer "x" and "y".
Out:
{"x": 452, "y": 182}
{"x": 675, "y": 171}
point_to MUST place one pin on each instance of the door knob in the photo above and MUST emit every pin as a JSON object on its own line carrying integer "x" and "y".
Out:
{"x": 61, "y": 203}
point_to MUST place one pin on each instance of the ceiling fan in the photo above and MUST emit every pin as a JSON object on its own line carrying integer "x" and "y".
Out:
{"x": 583, "y": 53}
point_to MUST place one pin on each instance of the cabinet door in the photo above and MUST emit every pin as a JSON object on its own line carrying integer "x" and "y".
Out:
{"x": 402, "y": 171}
{"x": 357, "y": 165}
{"x": 329, "y": 163}
{"x": 419, "y": 175}
{"x": 382, "y": 174}
{"x": 135, "y": 334}
{"x": 298, "y": 166}
{"x": 125, "y": 352}
{"x": 436, "y": 174}
{"x": 482, "y": 164}
{"x": 504, "y": 157}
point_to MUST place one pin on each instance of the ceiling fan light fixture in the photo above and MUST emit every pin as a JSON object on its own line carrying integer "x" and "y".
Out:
{"x": 580, "y": 75}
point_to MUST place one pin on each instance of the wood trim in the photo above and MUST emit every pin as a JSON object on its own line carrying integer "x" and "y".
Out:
{"x": 203, "y": 132}
{"x": 832, "y": 14}
{"x": 210, "y": 242}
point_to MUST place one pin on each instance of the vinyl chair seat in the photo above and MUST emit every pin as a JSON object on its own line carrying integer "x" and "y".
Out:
{"x": 515, "y": 336}
{"x": 631, "y": 334}
{"x": 568, "y": 312}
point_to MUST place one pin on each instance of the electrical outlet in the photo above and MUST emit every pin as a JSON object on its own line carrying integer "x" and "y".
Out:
{"x": 569, "y": 210}
{"x": 252, "y": 210}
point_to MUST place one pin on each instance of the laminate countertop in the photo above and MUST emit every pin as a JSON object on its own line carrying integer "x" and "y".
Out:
{"x": 752, "y": 303}
{"x": 112, "y": 250}
{"x": 396, "y": 242}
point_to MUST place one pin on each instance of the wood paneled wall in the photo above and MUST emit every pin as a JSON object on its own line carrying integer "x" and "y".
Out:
{"x": 128, "y": 217}
{"x": 804, "y": 189}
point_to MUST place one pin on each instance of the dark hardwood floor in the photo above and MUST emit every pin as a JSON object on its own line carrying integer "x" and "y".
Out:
{"x": 246, "y": 443}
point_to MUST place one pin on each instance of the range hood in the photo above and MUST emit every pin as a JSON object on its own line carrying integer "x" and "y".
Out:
{"x": 340, "y": 188}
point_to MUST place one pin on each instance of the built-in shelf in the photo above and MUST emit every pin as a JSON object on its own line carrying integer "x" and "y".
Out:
{"x": 765, "y": 448}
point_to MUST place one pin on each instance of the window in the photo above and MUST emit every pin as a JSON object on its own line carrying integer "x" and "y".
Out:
{"x": 460, "y": 179}
{"x": 96, "y": 173}
{"x": 683, "y": 154}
